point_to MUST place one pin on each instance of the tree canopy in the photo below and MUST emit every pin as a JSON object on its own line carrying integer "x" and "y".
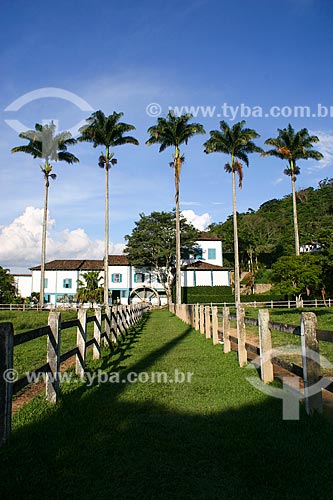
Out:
{"x": 89, "y": 289}
{"x": 8, "y": 292}
{"x": 268, "y": 231}
{"x": 153, "y": 244}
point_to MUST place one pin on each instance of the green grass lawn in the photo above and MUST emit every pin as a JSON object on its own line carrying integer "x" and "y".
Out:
{"x": 292, "y": 317}
{"x": 32, "y": 354}
{"x": 214, "y": 438}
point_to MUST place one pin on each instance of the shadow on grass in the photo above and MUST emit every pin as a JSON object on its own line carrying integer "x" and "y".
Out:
{"x": 97, "y": 446}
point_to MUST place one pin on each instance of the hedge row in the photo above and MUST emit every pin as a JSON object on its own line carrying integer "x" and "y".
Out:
{"x": 202, "y": 294}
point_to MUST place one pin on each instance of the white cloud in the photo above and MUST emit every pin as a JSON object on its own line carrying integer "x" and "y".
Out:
{"x": 20, "y": 242}
{"x": 201, "y": 222}
{"x": 325, "y": 146}
{"x": 278, "y": 181}
{"x": 190, "y": 203}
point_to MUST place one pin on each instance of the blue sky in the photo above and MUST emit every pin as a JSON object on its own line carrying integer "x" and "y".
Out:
{"x": 124, "y": 56}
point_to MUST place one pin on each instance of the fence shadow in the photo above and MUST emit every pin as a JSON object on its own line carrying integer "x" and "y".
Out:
{"x": 98, "y": 445}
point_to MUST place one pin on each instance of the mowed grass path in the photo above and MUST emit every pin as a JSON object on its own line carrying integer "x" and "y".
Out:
{"x": 214, "y": 438}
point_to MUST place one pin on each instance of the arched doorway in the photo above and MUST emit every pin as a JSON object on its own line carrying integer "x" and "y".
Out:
{"x": 144, "y": 293}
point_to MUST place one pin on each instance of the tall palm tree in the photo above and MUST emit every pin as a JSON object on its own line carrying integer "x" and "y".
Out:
{"x": 293, "y": 146}
{"x": 238, "y": 143}
{"x": 44, "y": 143}
{"x": 106, "y": 131}
{"x": 174, "y": 131}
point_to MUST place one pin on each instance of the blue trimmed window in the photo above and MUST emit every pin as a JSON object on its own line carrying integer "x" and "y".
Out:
{"x": 116, "y": 278}
{"x": 46, "y": 282}
{"x": 211, "y": 253}
{"x": 139, "y": 278}
{"x": 67, "y": 283}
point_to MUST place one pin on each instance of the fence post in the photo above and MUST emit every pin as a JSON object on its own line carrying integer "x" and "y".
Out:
{"x": 226, "y": 329}
{"x": 6, "y": 384}
{"x": 265, "y": 343}
{"x": 202, "y": 319}
{"x": 107, "y": 340}
{"x": 114, "y": 332}
{"x": 311, "y": 362}
{"x": 215, "y": 324}
{"x": 81, "y": 336}
{"x": 53, "y": 357}
{"x": 97, "y": 333}
{"x": 241, "y": 336}
{"x": 207, "y": 323}
{"x": 196, "y": 317}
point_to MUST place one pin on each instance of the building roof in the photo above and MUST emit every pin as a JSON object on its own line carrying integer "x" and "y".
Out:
{"x": 83, "y": 265}
{"x": 208, "y": 237}
{"x": 199, "y": 265}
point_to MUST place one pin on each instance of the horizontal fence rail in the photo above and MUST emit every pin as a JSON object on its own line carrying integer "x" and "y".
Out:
{"x": 325, "y": 335}
{"x": 202, "y": 317}
{"x": 271, "y": 304}
{"x": 117, "y": 320}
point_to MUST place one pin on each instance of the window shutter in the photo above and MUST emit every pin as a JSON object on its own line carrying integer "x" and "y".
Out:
{"x": 211, "y": 253}
{"x": 120, "y": 278}
{"x": 135, "y": 278}
{"x": 112, "y": 278}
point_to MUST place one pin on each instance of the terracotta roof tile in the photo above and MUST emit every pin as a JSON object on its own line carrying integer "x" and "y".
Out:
{"x": 83, "y": 264}
{"x": 208, "y": 237}
{"x": 199, "y": 265}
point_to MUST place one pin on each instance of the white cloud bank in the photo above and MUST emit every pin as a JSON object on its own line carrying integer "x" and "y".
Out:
{"x": 325, "y": 146}
{"x": 201, "y": 222}
{"x": 20, "y": 242}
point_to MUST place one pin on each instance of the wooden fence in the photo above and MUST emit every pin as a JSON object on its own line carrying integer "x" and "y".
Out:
{"x": 271, "y": 304}
{"x": 117, "y": 320}
{"x": 206, "y": 320}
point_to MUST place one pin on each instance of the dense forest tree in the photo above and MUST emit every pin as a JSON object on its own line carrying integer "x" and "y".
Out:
{"x": 8, "y": 294}
{"x": 153, "y": 244}
{"x": 268, "y": 232}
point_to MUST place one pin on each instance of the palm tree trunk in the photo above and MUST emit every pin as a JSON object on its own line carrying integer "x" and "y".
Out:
{"x": 234, "y": 211}
{"x": 106, "y": 234}
{"x": 293, "y": 190}
{"x": 241, "y": 331}
{"x": 178, "y": 275}
{"x": 43, "y": 256}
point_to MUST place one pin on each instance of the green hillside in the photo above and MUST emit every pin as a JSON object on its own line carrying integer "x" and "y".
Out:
{"x": 267, "y": 234}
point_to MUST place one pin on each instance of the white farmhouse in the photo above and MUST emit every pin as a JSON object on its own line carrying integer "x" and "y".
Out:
{"x": 128, "y": 283}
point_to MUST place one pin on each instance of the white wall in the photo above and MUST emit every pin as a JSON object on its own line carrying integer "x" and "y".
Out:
{"x": 217, "y": 246}
{"x": 24, "y": 285}
{"x": 204, "y": 278}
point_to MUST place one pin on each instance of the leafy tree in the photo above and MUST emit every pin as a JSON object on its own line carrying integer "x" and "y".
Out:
{"x": 238, "y": 143}
{"x": 50, "y": 147}
{"x": 296, "y": 275}
{"x": 153, "y": 243}
{"x": 174, "y": 131}
{"x": 89, "y": 289}
{"x": 293, "y": 146}
{"x": 8, "y": 292}
{"x": 109, "y": 132}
